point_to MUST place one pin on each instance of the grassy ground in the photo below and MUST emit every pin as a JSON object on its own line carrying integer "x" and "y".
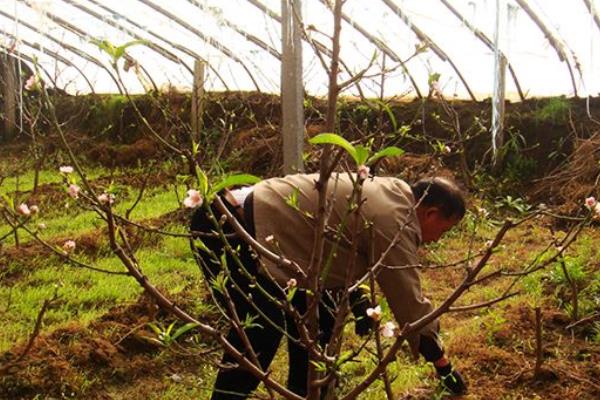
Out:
{"x": 95, "y": 340}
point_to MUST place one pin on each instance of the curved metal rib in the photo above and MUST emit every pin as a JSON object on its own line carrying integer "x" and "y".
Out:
{"x": 51, "y": 53}
{"x": 68, "y": 47}
{"x": 481, "y": 36}
{"x": 208, "y": 39}
{"x": 553, "y": 40}
{"x": 24, "y": 57}
{"x": 247, "y": 35}
{"x": 177, "y": 46}
{"x": 426, "y": 39}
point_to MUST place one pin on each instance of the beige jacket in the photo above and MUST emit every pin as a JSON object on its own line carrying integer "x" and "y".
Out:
{"x": 388, "y": 207}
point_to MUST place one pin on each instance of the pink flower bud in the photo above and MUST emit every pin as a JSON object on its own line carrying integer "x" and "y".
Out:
{"x": 292, "y": 283}
{"x": 388, "y": 330}
{"x": 69, "y": 246}
{"x": 106, "y": 198}
{"x": 32, "y": 84}
{"x": 24, "y": 210}
{"x": 73, "y": 191}
{"x": 374, "y": 313}
{"x": 193, "y": 199}
{"x": 363, "y": 172}
{"x": 590, "y": 202}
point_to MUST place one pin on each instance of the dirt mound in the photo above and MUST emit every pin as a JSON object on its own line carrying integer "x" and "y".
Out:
{"x": 577, "y": 178}
{"x": 82, "y": 362}
{"x": 502, "y": 362}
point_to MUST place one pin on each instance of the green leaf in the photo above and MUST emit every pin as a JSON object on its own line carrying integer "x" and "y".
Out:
{"x": 202, "y": 181}
{"x": 320, "y": 366}
{"x": 292, "y": 199}
{"x": 155, "y": 328}
{"x": 345, "y": 356}
{"x": 291, "y": 293}
{"x": 362, "y": 154}
{"x": 390, "y": 114}
{"x": 391, "y": 151}
{"x": 433, "y": 77}
{"x": 336, "y": 140}
{"x": 249, "y": 322}
{"x": 233, "y": 180}
{"x": 185, "y": 328}
{"x": 201, "y": 245}
{"x": 219, "y": 282}
{"x": 169, "y": 329}
{"x": 119, "y": 51}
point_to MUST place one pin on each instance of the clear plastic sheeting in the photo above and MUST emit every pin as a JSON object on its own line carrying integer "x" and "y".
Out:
{"x": 398, "y": 44}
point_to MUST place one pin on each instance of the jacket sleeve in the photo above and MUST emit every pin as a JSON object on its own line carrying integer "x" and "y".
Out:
{"x": 402, "y": 287}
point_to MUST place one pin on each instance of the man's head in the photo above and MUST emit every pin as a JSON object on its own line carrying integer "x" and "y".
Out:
{"x": 440, "y": 206}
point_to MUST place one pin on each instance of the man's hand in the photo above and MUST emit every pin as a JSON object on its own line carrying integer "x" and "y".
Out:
{"x": 451, "y": 378}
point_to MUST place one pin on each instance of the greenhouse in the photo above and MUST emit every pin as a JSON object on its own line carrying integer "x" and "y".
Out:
{"x": 299, "y": 199}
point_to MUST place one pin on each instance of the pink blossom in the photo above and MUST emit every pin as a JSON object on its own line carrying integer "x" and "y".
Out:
{"x": 32, "y": 83}
{"x": 388, "y": 329}
{"x": 106, "y": 198}
{"x": 24, "y": 210}
{"x": 74, "y": 190}
{"x": 69, "y": 246}
{"x": 590, "y": 202}
{"x": 66, "y": 169}
{"x": 193, "y": 199}
{"x": 374, "y": 313}
{"x": 363, "y": 172}
{"x": 292, "y": 283}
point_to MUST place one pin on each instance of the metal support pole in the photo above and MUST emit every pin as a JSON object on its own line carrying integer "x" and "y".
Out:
{"x": 198, "y": 99}
{"x": 498, "y": 98}
{"x": 9, "y": 96}
{"x": 292, "y": 89}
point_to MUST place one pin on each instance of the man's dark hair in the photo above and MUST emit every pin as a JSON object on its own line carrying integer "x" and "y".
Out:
{"x": 441, "y": 193}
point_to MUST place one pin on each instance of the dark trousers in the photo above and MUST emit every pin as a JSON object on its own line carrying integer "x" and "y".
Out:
{"x": 266, "y": 331}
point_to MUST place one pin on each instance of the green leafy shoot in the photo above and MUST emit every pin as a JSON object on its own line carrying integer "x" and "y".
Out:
{"x": 391, "y": 151}
{"x": 116, "y": 52}
{"x": 291, "y": 293}
{"x": 234, "y": 180}
{"x": 359, "y": 153}
{"x": 165, "y": 335}
{"x": 292, "y": 199}
{"x": 219, "y": 283}
{"x": 248, "y": 322}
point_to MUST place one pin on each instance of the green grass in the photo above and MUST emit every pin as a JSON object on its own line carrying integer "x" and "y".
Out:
{"x": 84, "y": 295}
{"x": 24, "y": 182}
{"x": 73, "y": 221}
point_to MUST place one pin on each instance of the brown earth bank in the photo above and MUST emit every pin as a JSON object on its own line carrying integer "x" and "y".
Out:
{"x": 119, "y": 350}
{"x": 539, "y": 132}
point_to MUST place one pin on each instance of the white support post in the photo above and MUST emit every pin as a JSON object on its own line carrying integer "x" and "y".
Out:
{"x": 197, "y": 99}
{"x": 499, "y": 106}
{"x": 9, "y": 97}
{"x": 292, "y": 89}
{"x": 499, "y": 93}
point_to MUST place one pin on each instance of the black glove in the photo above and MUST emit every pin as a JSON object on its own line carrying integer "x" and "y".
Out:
{"x": 359, "y": 303}
{"x": 452, "y": 380}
